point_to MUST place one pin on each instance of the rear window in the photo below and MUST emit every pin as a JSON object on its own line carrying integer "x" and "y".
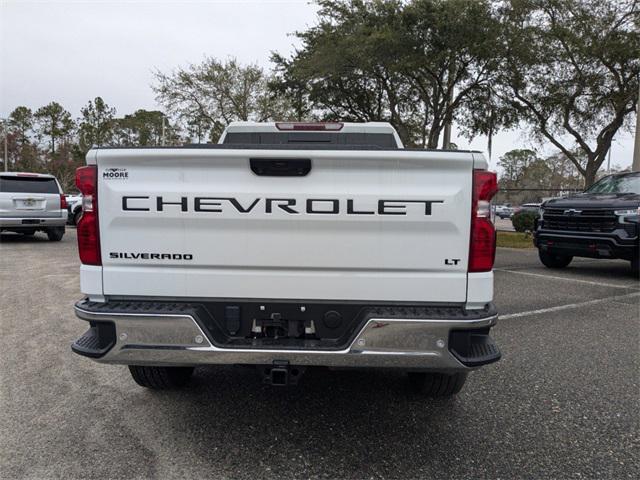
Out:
{"x": 380, "y": 140}
{"x": 28, "y": 185}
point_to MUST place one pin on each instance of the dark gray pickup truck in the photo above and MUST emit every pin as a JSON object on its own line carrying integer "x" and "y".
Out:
{"x": 602, "y": 222}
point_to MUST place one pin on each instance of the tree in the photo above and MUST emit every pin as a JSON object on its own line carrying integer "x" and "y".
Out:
{"x": 95, "y": 126}
{"x": 54, "y": 122}
{"x": 527, "y": 177}
{"x": 563, "y": 174}
{"x": 515, "y": 162}
{"x": 291, "y": 90}
{"x": 215, "y": 93}
{"x": 27, "y": 158}
{"x": 417, "y": 64}
{"x": 21, "y": 123}
{"x": 570, "y": 72}
{"x": 21, "y": 157}
{"x": 198, "y": 127}
{"x": 144, "y": 128}
{"x": 64, "y": 164}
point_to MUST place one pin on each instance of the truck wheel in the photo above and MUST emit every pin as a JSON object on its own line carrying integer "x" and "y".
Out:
{"x": 76, "y": 217}
{"x": 437, "y": 384}
{"x": 550, "y": 260}
{"x": 161, "y": 378}
{"x": 55, "y": 233}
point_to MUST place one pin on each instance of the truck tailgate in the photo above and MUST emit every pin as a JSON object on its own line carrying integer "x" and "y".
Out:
{"x": 361, "y": 225}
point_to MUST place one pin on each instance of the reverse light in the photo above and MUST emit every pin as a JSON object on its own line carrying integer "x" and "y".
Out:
{"x": 87, "y": 229}
{"x": 482, "y": 249}
{"x": 310, "y": 126}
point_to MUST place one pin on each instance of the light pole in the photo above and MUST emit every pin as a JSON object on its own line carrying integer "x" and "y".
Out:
{"x": 163, "y": 129}
{"x": 446, "y": 142}
{"x": 6, "y": 156}
{"x": 635, "y": 167}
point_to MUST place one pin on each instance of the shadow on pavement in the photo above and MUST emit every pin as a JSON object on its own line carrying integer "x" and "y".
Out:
{"x": 334, "y": 424}
{"x": 19, "y": 238}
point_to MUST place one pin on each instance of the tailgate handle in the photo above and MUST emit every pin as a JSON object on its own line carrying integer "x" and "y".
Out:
{"x": 280, "y": 167}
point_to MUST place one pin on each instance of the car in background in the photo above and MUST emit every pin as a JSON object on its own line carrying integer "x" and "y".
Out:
{"x": 31, "y": 202}
{"x": 602, "y": 222}
{"x": 74, "y": 207}
{"x": 73, "y": 197}
{"x": 503, "y": 211}
{"x": 528, "y": 207}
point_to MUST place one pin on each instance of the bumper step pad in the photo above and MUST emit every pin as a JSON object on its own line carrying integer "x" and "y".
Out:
{"x": 473, "y": 348}
{"x": 96, "y": 341}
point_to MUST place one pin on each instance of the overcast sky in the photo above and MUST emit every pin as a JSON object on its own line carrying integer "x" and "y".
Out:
{"x": 73, "y": 51}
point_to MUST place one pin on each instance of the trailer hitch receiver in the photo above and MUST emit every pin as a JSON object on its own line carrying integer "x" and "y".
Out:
{"x": 281, "y": 374}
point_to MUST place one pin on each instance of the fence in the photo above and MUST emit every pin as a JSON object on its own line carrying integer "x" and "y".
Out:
{"x": 516, "y": 197}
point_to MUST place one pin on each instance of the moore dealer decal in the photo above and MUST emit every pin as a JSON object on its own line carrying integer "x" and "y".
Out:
{"x": 115, "y": 174}
{"x": 292, "y": 206}
{"x": 151, "y": 256}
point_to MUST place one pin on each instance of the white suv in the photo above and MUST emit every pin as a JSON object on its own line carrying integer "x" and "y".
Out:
{"x": 31, "y": 202}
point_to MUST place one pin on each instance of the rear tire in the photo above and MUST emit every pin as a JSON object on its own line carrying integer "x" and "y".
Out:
{"x": 55, "y": 234}
{"x": 437, "y": 385}
{"x": 76, "y": 217}
{"x": 550, "y": 260}
{"x": 161, "y": 378}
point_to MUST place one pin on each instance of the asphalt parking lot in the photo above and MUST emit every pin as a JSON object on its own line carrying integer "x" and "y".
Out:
{"x": 563, "y": 402}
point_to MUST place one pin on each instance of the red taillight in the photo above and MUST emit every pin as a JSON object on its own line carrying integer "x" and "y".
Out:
{"x": 88, "y": 233}
{"x": 482, "y": 252}
{"x": 310, "y": 126}
{"x": 63, "y": 201}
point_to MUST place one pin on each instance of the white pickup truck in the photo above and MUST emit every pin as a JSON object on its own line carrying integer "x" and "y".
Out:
{"x": 287, "y": 246}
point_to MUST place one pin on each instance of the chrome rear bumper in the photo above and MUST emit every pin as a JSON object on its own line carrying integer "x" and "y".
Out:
{"x": 34, "y": 222}
{"x": 177, "y": 340}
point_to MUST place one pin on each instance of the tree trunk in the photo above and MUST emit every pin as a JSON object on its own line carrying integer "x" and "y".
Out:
{"x": 434, "y": 137}
{"x": 591, "y": 171}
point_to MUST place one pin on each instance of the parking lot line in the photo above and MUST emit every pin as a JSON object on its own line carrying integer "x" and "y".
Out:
{"x": 577, "y": 280}
{"x": 567, "y": 306}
